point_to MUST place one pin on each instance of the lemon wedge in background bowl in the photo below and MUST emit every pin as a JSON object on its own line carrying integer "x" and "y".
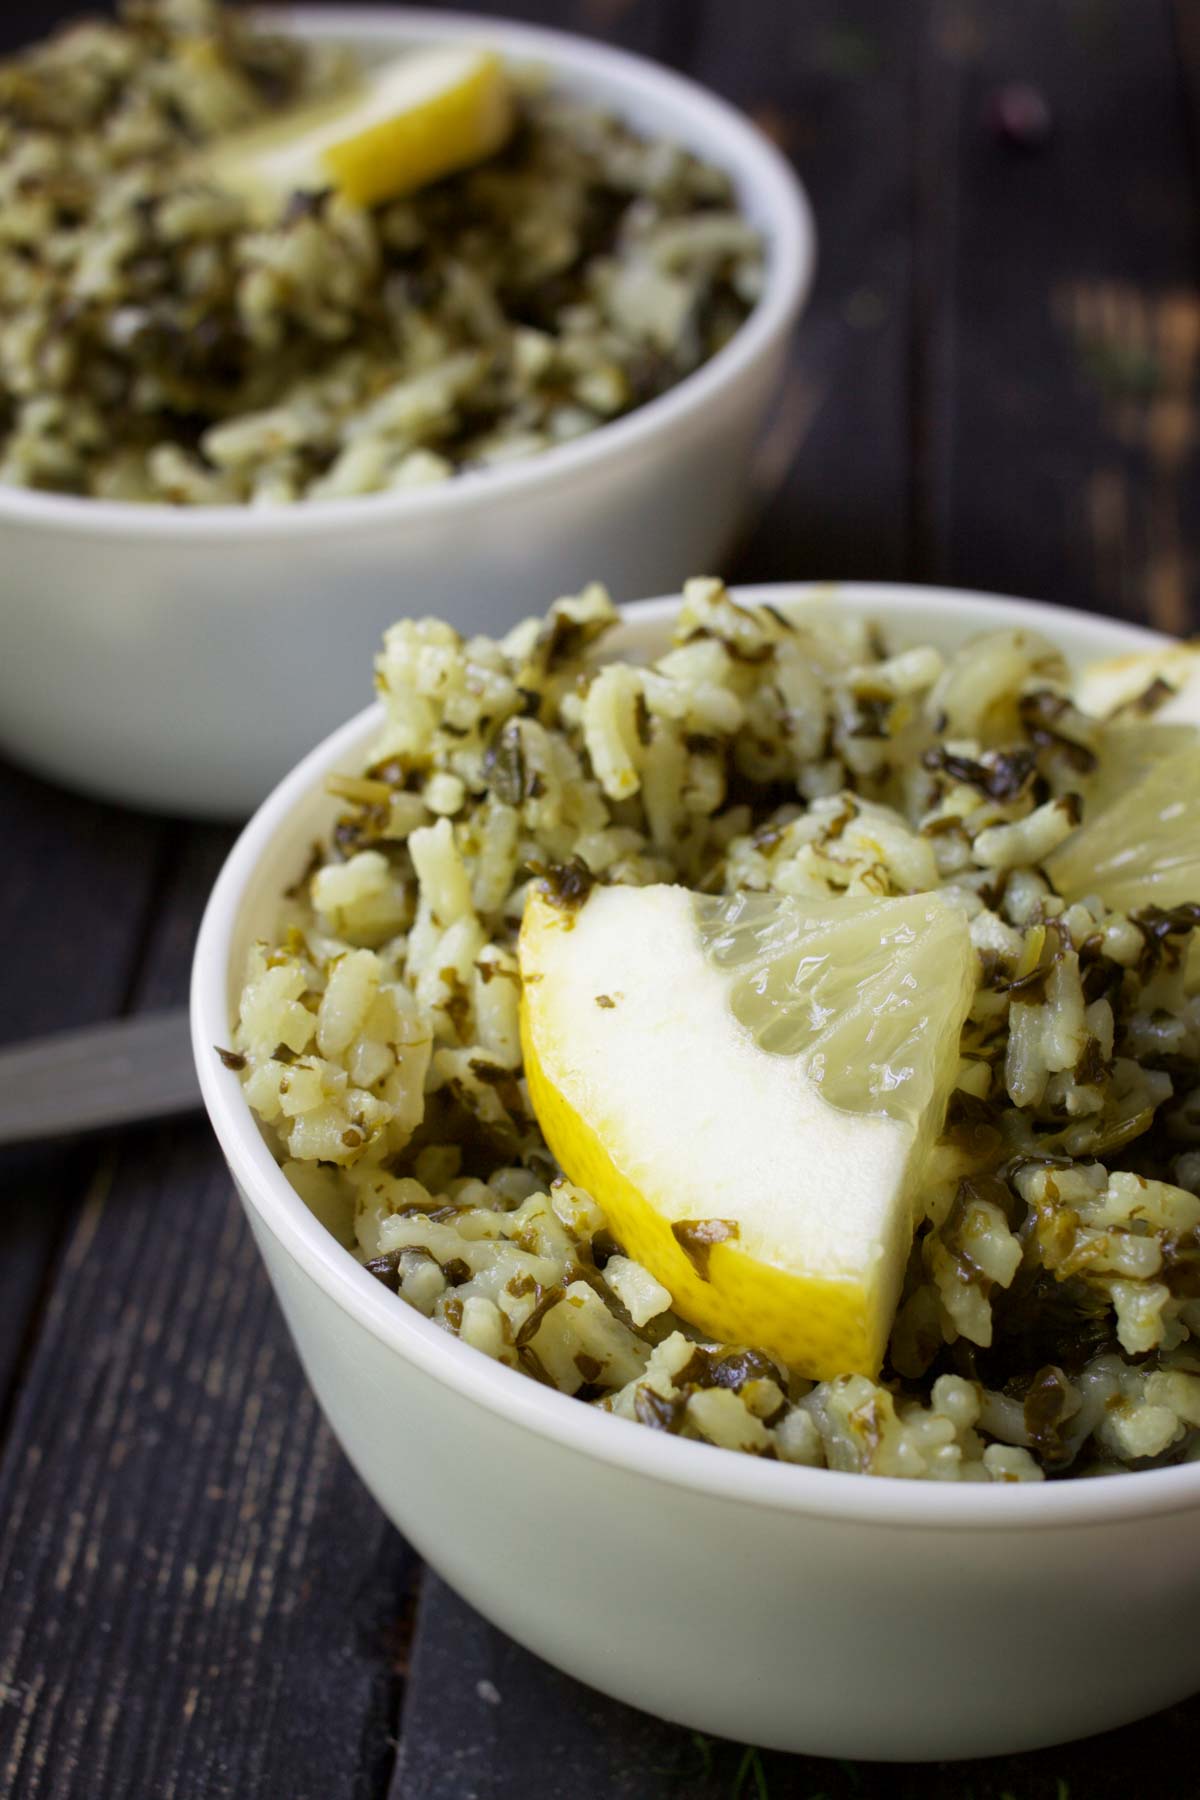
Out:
{"x": 400, "y": 127}
{"x": 748, "y": 1086}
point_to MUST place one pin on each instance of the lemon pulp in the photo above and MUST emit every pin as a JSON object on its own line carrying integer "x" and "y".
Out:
{"x": 748, "y": 1087}
{"x": 1144, "y": 848}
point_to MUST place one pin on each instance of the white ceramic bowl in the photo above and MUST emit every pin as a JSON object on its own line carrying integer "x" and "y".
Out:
{"x": 841, "y": 1615}
{"x": 184, "y": 659}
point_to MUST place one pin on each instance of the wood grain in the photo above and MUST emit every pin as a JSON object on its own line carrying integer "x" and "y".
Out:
{"x": 76, "y": 888}
{"x": 832, "y": 85}
{"x": 1061, "y": 399}
{"x": 486, "y": 1720}
{"x": 199, "y": 1599}
{"x": 995, "y": 384}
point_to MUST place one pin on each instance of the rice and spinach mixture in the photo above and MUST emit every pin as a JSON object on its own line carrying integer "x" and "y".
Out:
{"x": 157, "y": 343}
{"x": 1046, "y": 1323}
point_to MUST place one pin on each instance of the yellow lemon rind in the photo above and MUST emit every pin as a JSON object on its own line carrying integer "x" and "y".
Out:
{"x": 817, "y": 1326}
{"x": 449, "y": 132}
{"x": 384, "y": 159}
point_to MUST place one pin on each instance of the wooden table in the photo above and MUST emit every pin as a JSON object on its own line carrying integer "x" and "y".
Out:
{"x": 995, "y": 387}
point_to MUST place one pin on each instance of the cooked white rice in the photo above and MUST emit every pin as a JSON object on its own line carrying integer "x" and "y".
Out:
{"x": 1053, "y": 1292}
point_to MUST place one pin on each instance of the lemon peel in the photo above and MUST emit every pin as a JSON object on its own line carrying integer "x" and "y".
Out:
{"x": 412, "y": 121}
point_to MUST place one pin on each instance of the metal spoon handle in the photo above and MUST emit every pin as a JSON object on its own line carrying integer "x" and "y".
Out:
{"x": 113, "y": 1074}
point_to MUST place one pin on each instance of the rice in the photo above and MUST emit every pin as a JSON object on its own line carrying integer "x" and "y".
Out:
{"x": 157, "y": 343}
{"x": 1049, "y": 1313}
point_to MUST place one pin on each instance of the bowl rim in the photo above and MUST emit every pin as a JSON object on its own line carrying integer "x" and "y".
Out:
{"x": 700, "y": 1468}
{"x": 789, "y": 268}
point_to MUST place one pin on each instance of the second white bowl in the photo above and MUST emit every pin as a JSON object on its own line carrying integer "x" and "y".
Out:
{"x": 184, "y": 660}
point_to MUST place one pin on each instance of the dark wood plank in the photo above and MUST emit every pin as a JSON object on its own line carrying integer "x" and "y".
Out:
{"x": 197, "y": 1598}
{"x": 74, "y": 898}
{"x": 1060, "y": 395}
{"x": 486, "y": 1719}
{"x": 1185, "y": 17}
{"x": 831, "y": 84}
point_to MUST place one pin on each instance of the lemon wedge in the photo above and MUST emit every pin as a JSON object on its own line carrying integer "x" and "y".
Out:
{"x": 748, "y": 1086}
{"x": 1144, "y": 848}
{"x": 400, "y": 127}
